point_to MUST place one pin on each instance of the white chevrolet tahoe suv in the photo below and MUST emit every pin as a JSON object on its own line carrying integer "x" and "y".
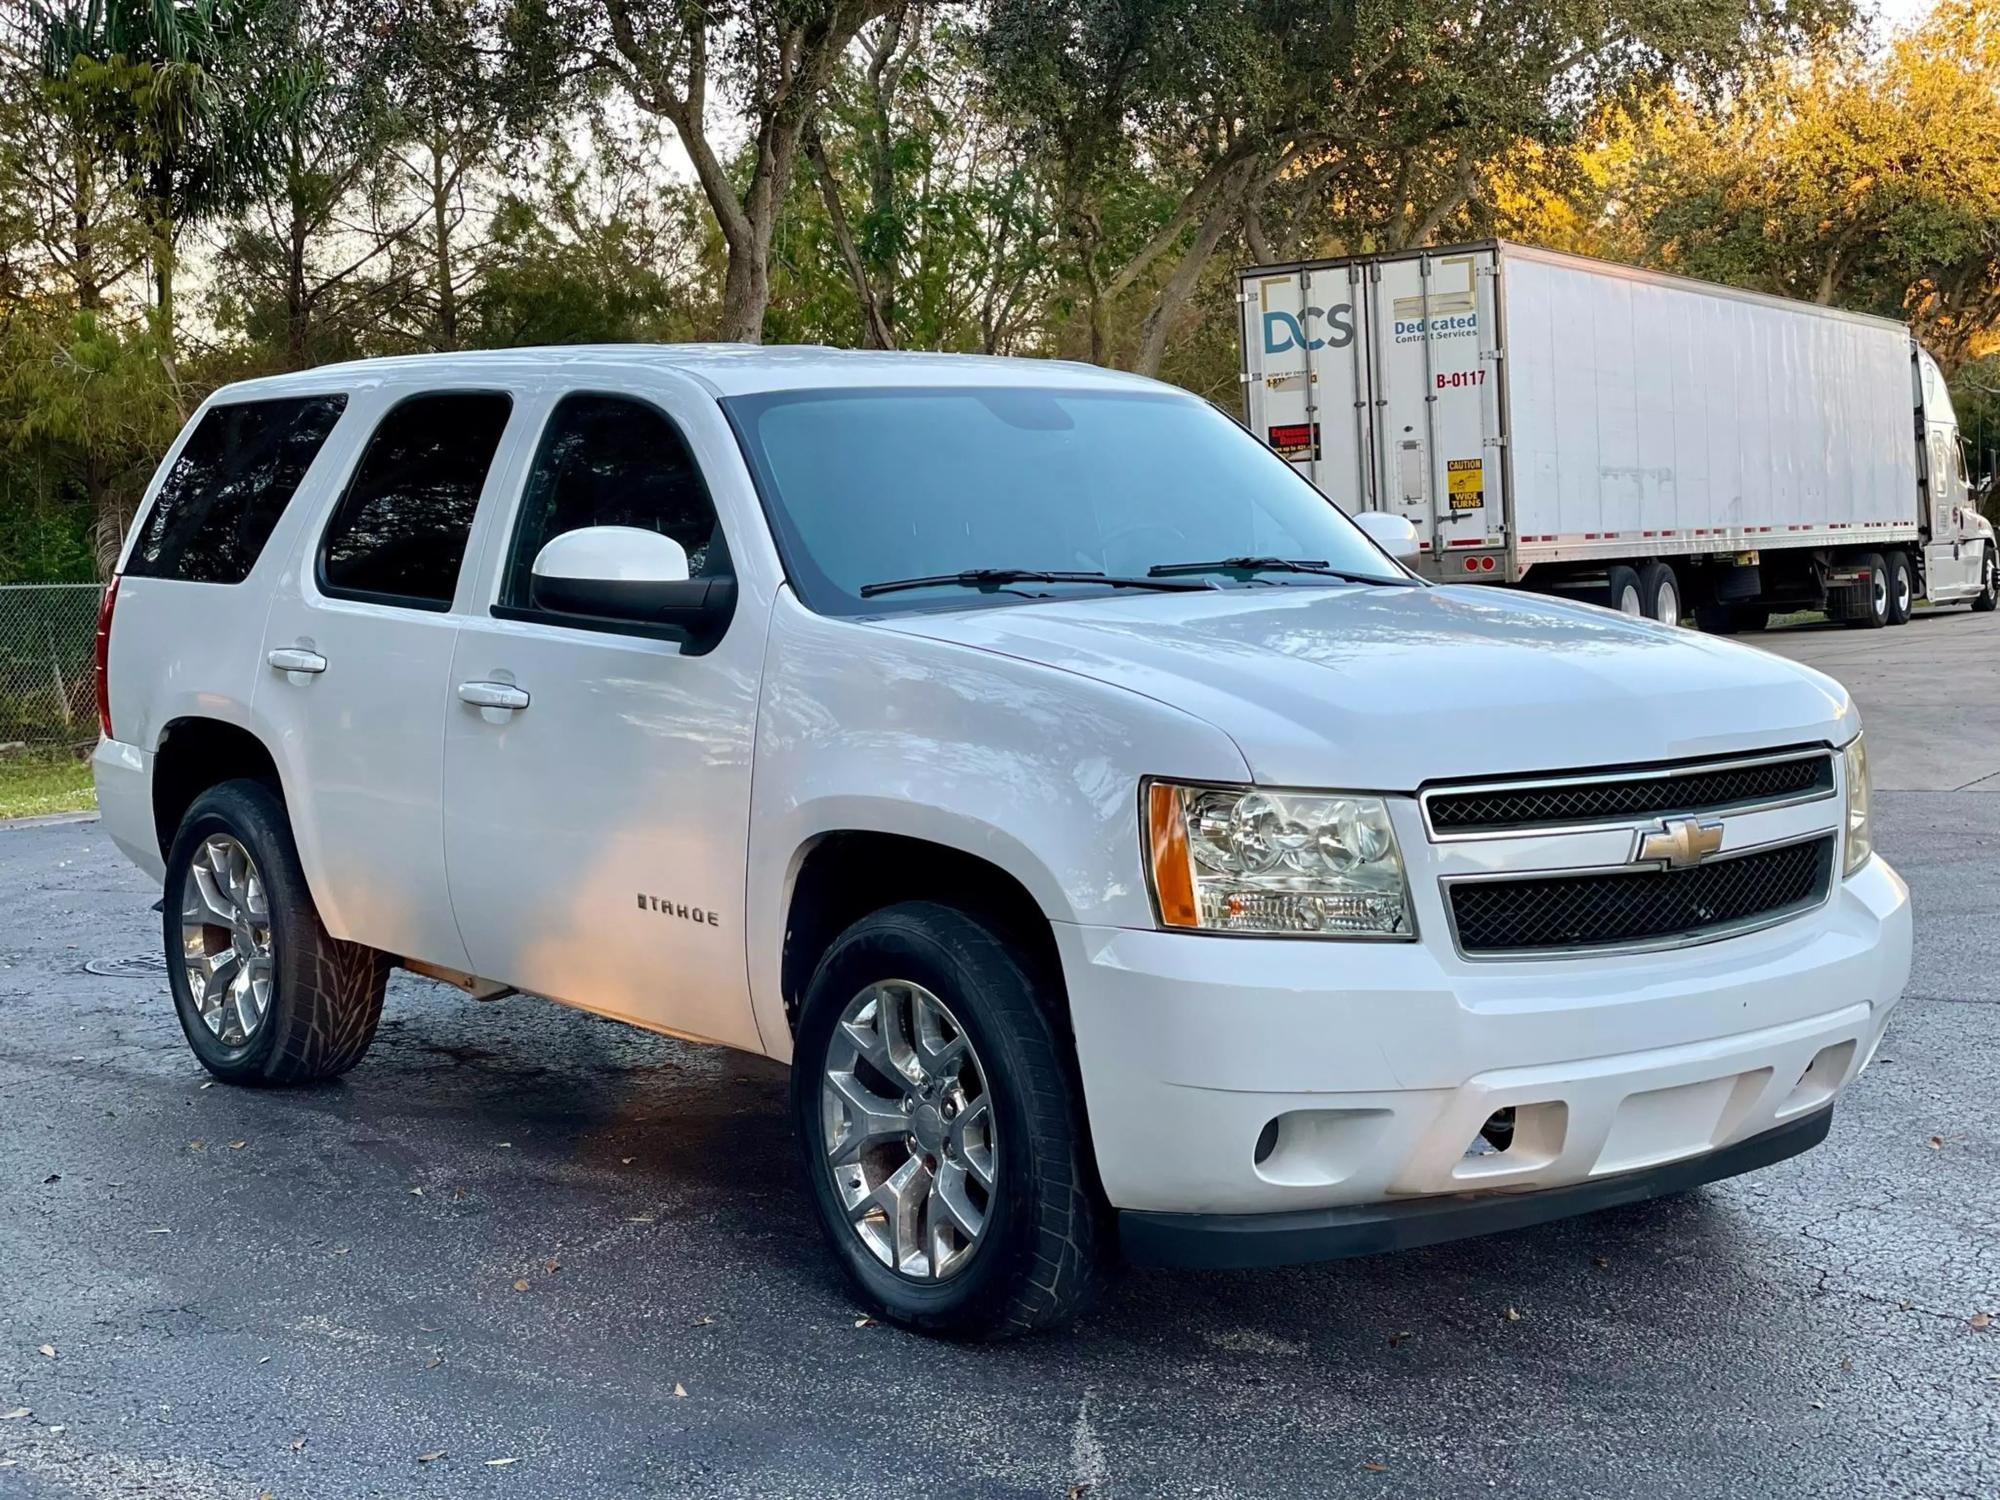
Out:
{"x": 1123, "y": 848}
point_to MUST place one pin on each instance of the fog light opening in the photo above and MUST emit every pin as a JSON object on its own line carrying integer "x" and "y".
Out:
{"x": 1495, "y": 1136}
{"x": 1267, "y": 1142}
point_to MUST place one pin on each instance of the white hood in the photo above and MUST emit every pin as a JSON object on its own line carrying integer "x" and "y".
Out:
{"x": 1387, "y": 688}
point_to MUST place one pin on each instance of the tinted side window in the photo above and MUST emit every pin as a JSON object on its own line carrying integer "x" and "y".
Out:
{"x": 233, "y": 479}
{"x": 398, "y": 534}
{"x": 608, "y": 461}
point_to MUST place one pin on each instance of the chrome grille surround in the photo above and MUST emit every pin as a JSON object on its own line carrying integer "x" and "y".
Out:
{"x": 1514, "y": 806}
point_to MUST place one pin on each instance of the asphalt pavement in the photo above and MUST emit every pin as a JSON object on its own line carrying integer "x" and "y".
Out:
{"x": 524, "y": 1252}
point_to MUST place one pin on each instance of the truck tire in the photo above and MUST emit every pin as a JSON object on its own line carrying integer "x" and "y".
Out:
{"x": 1989, "y": 585}
{"x": 1661, "y": 592}
{"x": 1622, "y": 591}
{"x": 1902, "y": 587}
{"x": 1868, "y": 608}
{"x": 941, "y": 1128}
{"x": 265, "y": 995}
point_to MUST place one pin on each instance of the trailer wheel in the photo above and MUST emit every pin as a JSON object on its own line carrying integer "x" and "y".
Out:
{"x": 1902, "y": 588}
{"x": 1661, "y": 591}
{"x": 1989, "y": 585}
{"x": 1869, "y": 610}
{"x": 1622, "y": 591}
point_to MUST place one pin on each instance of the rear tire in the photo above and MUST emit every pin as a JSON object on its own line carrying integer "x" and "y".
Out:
{"x": 862, "y": 1080}
{"x": 1902, "y": 588}
{"x": 1622, "y": 591}
{"x": 282, "y": 1001}
{"x": 1661, "y": 592}
{"x": 1869, "y": 607}
{"x": 1989, "y": 585}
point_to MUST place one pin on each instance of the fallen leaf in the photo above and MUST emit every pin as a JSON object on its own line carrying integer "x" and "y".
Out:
{"x": 640, "y": 1219}
{"x": 237, "y": 1145}
{"x": 341, "y": 1251}
{"x": 703, "y": 1321}
{"x": 553, "y": 1266}
{"x": 1397, "y": 1340}
{"x": 15, "y": 1415}
{"x": 434, "y": 1364}
{"x": 864, "y": 1322}
{"x": 506, "y": 1145}
{"x": 625, "y": 1161}
{"x": 1374, "y": 1468}
{"x": 263, "y": 1359}
{"x": 159, "y": 1231}
{"x": 1817, "y": 1405}
{"x": 1936, "y": 1143}
{"x": 47, "y": 1351}
{"x": 679, "y": 1389}
{"x": 520, "y": 1286}
{"x": 416, "y": 1192}
{"x": 500, "y": 1463}
{"x": 52, "y": 1177}
{"x": 59, "y": 1427}
{"x": 1078, "y": 1490}
{"x": 197, "y": 1145}
{"x": 298, "y": 1445}
{"x": 1981, "y": 1320}
{"x": 430, "y": 1458}
{"x": 1513, "y": 1316}
{"x": 1846, "y": 1365}
{"x": 1601, "y": 1262}
{"x": 209, "y": 1085}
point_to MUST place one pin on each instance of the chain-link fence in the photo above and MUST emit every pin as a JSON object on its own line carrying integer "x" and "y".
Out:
{"x": 48, "y": 685}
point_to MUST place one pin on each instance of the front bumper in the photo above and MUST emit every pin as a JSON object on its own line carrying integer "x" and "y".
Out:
{"x": 1231, "y": 1242}
{"x": 1250, "y": 1076}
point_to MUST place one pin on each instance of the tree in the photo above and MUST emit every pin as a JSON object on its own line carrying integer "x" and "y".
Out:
{"x": 166, "y": 85}
{"x": 780, "y": 56}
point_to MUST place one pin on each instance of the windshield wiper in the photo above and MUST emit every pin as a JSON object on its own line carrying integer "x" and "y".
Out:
{"x": 1269, "y": 565}
{"x": 986, "y": 578}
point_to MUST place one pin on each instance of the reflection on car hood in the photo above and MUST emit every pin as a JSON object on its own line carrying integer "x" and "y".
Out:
{"x": 1387, "y": 688}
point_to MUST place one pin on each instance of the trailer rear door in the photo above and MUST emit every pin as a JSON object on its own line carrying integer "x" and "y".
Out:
{"x": 1434, "y": 376}
{"x": 1305, "y": 387}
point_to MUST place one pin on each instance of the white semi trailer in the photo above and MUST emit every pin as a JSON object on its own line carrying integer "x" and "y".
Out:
{"x": 1658, "y": 444}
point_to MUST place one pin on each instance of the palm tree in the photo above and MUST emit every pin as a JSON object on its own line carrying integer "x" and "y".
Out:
{"x": 167, "y": 84}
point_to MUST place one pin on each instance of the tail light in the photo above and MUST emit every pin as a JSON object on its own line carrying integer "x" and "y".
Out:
{"x": 104, "y": 609}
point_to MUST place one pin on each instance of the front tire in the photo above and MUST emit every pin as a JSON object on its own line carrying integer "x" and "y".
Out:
{"x": 941, "y": 1128}
{"x": 1989, "y": 585}
{"x": 265, "y": 995}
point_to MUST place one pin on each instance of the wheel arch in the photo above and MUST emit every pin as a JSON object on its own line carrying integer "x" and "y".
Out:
{"x": 839, "y": 875}
{"x": 195, "y": 753}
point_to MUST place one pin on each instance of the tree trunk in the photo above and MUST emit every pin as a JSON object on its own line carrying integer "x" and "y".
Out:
{"x": 447, "y": 294}
{"x": 1187, "y": 275}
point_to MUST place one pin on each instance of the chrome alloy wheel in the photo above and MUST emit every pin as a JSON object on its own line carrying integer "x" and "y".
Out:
{"x": 226, "y": 940}
{"x": 908, "y": 1126}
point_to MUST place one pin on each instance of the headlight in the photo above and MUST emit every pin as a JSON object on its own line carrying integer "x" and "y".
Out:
{"x": 1305, "y": 864}
{"x": 1860, "y": 837}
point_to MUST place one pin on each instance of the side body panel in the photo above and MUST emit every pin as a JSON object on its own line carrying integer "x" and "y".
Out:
{"x": 596, "y": 839}
{"x": 360, "y": 745}
{"x": 1650, "y": 414}
{"x": 1031, "y": 768}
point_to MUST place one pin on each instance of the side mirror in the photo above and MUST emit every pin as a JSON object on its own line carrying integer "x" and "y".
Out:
{"x": 1394, "y": 534}
{"x": 627, "y": 575}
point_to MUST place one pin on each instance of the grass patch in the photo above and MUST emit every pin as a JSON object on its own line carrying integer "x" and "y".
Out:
{"x": 30, "y": 787}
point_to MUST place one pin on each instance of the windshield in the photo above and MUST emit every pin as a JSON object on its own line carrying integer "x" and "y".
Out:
{"x": 876, "y": 486}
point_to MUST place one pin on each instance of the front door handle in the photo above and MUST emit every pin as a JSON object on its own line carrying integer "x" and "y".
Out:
{"x": 296, "y": 659}
{"x": 493, "y": 695}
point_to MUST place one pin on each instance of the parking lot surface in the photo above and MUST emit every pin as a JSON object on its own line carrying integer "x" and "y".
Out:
{"x": 521, "y": 1251}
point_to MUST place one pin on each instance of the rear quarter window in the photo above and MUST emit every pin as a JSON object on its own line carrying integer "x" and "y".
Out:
{"x": 227, "y": 488}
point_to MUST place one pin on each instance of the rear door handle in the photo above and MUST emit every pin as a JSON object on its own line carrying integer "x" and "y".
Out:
{"x": 493, "y": 695}
{"x": 296, "y": 659}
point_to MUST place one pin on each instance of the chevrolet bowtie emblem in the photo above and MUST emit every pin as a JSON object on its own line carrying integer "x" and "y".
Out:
{"x": 1680, "y": 843}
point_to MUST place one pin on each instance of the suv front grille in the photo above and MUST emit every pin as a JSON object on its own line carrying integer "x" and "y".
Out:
{"x": 1640, "y": 908}
{"x": 1617, "y": 796}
